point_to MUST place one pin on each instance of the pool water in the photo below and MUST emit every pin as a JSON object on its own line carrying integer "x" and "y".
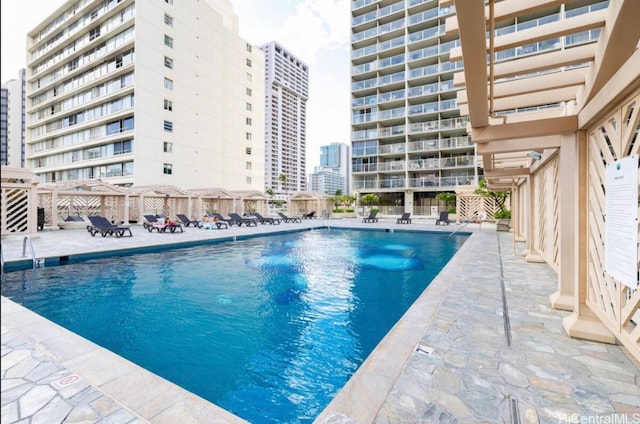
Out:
{"x": 269, "y": 328}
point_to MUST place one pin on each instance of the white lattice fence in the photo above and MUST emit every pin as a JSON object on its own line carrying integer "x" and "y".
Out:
{"x": 545, "y": 203}
{"x": 468, "y": 204}
{"x": 614, "y": 303}
{"x": 15, "y": 213}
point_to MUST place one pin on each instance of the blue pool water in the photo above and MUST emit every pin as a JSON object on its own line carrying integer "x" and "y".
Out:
{"x": 269, "y": 328}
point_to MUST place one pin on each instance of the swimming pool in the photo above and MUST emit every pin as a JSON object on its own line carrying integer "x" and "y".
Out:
{"x": 269, "y": 328}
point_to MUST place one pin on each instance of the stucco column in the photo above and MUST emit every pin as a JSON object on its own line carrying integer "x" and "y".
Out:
{"x": 583, "y": 323}
{"x": 408, "y": 201}
{"x": 568, "y": 223}
{"x": 530, "y": 253}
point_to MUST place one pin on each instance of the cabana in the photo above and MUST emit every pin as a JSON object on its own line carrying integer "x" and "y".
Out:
{"x": 65, "y": 199}
{"x": 210, "y": 200}
{"x": 304, "y": 202}
{"x": 159, "y": 200}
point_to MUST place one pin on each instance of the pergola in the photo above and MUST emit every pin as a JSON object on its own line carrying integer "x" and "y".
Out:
{"x": 304, "y": 202}
{"x": 158, "y": 200}
{"x": 547, "y": 122}
{"x": 83, "y": 197}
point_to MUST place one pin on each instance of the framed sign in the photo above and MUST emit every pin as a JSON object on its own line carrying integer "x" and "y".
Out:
{"x": 621, "y": 221}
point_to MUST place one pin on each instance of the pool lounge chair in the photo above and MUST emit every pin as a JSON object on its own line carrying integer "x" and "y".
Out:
{"x": 153, "y": 223}
{"x": 503, "y": 225}
{"x": 100, "y": 224}
{"x": 405, "y": 218}
{"x": 371, "y": 218}
{"x": 162, "y": 227}
{"x": 310, "y": 215}
{"x": 444, "y": 218}
{"x": 148, "y": 220}
{"x": 213, "y": 225}
{"x": 229, "y": 221}
{"x": 289, "y": 219}
{"x": 239, "y": 220}
{"x": 186, "y": 221}
{"x": 266, "y": 219}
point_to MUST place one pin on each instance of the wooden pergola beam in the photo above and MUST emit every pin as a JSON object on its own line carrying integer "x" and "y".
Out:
{"x": 529, "y": 129}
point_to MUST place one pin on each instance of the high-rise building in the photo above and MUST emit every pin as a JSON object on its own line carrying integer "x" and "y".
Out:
{"x": 145, "y": 92}
{"x": 336, "y": 156}
{"x": 287, "y": 92}
{"x": 12, "y": 122}
{"x": 409, "y": 141}
{"x": 327, "y": 180}
{"x": 409, "y": 134}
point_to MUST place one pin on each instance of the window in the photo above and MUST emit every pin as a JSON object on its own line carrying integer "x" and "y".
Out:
{"x": 248, "y": 91}
{"x": 94, "y": 33}
{"x": 168, "y": 1}
{"x": 168, "y": 62}
{"x": 73, "y": 64}
{"x": 248, "y": 150}
{"x": 168, "y": 41}
{"x": 249, "y": 47}
{"x": 168, "y": 84}
{"x": 247, "y": 180}
{"x": 249, "y": 63}
{"x": 168, "y": 105}
{"x": 248, "y": 121}
{"x": 249, "y": 77}
{"x": 248, "y": 136}
{"x": 248, "y": 166}
{"x": 168, "y": 126}
{"x": 121, "y": 147}
{"x": 168, "y": 20}
{"x": 249, "y": 107}
{"x": 167, "y": 147}
{"x": 167, "y": 169}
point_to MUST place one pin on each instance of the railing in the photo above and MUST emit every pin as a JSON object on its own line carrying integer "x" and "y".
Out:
{"x": 25, "y": 241}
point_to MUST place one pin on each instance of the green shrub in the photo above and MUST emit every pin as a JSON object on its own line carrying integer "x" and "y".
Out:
{"x": 337, "y": 210}
{"x": 451, "y": 210}
{"x": 505, "y": 214}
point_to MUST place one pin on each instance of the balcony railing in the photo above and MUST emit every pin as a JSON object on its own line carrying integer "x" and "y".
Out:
{"x": 418, "y": 183}
{"x": 444, "y": 124}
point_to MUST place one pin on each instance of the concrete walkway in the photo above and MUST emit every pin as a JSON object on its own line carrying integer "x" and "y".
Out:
{"x": 481, "y": 344}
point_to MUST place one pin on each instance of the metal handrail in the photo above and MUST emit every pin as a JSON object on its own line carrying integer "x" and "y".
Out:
{"x": 24, "y": 250}
{"x": 466, "y": 223}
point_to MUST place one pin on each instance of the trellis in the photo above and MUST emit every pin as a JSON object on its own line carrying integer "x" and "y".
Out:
{"x": 615, "y": 304}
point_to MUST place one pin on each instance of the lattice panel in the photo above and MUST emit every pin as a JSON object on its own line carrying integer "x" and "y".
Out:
{"x": 467, "y": 206}
{"x": 546, "y": 214}
{"x": 134, "y": 209}
{"x": 154, "y": 205}
{"x": 16, "y": 214}
{"x": 613, "y": 302}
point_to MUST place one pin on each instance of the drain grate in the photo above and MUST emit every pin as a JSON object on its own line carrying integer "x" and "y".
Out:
{"x": 515, "y": 414}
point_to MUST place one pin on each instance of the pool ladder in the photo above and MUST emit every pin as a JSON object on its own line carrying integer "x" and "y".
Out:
{"x": 26, "y": 241}
{"x": 466, "y": 223}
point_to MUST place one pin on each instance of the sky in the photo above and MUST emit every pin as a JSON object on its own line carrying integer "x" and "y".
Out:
{"x": 315, "y": 31}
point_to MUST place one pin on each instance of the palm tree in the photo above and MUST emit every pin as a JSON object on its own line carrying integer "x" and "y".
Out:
{"x": 270, "y": 192}
{"x": 283, "y": 180}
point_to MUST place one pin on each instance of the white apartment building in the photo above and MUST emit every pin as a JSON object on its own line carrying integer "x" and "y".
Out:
{"x": 12, "y": 122}
{"x": 145, "y": 92}
{"x": 285, "y": 132}
{"x": 409, "y": 137}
